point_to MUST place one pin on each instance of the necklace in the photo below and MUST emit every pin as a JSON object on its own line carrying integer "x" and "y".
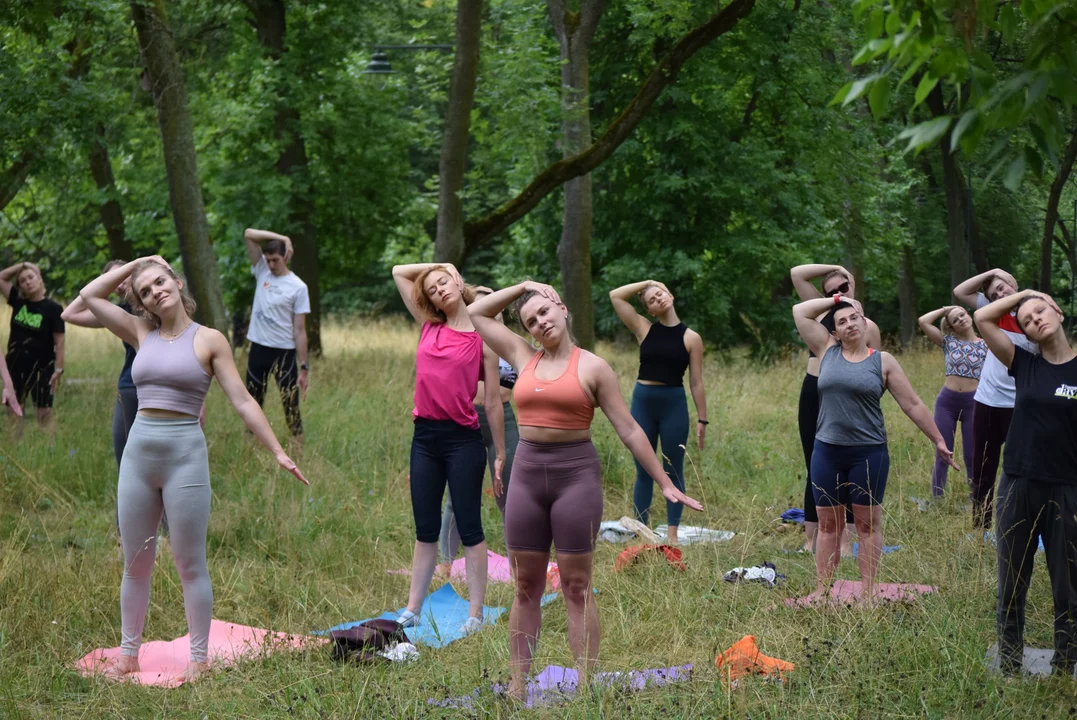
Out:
{"x": 174, "y": 337}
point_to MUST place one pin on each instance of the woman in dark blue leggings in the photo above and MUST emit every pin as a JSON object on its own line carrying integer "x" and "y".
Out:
{"x": 666, "y": 349}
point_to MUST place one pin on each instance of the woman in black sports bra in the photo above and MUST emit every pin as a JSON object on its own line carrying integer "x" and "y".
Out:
{"x": 836, "y": 280}
{"x": 666, "y": 349}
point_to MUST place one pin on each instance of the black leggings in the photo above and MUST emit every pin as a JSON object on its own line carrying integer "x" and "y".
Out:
{"x": 445, "y": 453}
{"x": 30, "y": 376}
{"x": 808, "y": 421}
{"x": 263, "y": 361}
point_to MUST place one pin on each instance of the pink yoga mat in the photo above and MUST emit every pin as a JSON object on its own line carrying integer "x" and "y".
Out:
{"x": 849, "y": 591}
{"x": 163, "y": 662}
{"x": 498, "y": 570}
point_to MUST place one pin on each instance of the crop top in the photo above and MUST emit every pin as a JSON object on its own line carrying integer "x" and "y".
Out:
{"x": 559, "y": 403}
{"x": 168, "y": 375}
{"x": 662, "y": 355}
{"x": 964, "y": 358}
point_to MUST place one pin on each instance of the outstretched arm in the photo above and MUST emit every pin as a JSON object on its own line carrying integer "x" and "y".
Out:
{"x": 253, "y": 239}
{"x": 911, "y": 404}
{"x": 495, "y": 411}
{"x": 802, "y": 276}
{"x": 927, "y": 324}
{"x": 608, "y": 394}
{"x": 123, "y": 324}
{"x": 622, "y": 305}
{"x": 987, "y": 319}
{"x": 404, "y": 276}
{"x": 695, "y": 383}
{"x": 224, "y": 369}
{"x": 7, "y": 389}
{"x": 967, "y": 291}
{"x": 507, "y": 344}
{"x": 810, "y": 329}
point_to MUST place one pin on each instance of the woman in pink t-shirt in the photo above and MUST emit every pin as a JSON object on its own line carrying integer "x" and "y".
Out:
{"x": 447, "y": 446}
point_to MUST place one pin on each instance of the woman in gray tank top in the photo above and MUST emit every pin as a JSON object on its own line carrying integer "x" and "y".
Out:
{"x": 850, "y": 461}
{"x": 165, "y": 465}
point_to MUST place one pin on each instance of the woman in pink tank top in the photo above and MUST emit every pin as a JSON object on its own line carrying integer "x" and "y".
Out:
{"x": 165, "y": 465}
{"x": 555, "y": 493}
{"x": 447, "y": 448}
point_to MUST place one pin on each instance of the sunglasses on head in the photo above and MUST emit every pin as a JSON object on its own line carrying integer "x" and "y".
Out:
{"x": 839, "y": 290}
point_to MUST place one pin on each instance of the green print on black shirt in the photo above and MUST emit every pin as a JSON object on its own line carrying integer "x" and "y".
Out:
{"x": 28, "y": 319}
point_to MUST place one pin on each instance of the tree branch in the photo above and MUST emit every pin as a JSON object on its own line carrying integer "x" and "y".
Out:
{"x": 12, "y": 179}
{"x": 479, "y": 232}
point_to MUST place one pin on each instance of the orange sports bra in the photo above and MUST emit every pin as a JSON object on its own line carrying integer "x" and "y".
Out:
{"x": 560, "y": 403}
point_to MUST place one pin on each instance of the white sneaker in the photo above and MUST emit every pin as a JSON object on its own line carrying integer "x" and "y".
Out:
{"x": 473, "y": 625}
{"x": 408, "y": 619}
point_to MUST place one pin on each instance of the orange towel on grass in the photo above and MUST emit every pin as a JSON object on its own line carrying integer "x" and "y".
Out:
{"x": 744, "y": 659}
{"x": 626, "y": 558}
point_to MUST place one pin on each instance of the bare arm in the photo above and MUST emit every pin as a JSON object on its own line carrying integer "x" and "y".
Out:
{"x": 967, "y": 291}
{"x": 404, "y": 277}
{"x": 987, "y": 319}
{"x": 911, "y": 404}
{"x": 7, "y": 276}
{"x": 802, "y": 276}
{"x": 608, "y": 394}
{"x": 507, "y": 344}
{"x": 621, "y": 298}
{"x": 123, "y": 324}
{"x": 810, "y": 329}
{"x": 495, "y": 411}
{"x": 927, "y": 324}
{"x": 7, "y": 389}
{"x": 299, "y": 334}
{"x": 253, "y": 239}
{"x": 58, "y": 340}
{"x": 695, "y": 384}
{"x": 873, "y": 337}
{"x": 78, "y": 314}
{"x": 224, "y": 369}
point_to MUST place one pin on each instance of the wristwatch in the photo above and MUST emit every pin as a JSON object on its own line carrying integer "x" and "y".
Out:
{"x": 305, "y": 366}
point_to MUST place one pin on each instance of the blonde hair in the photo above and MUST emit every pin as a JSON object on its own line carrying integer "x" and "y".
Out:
{"x": 947, "y": 326}
{"x": 189, "y": 305}
{"x": 425, "y": 305}
{"x": 640, "y": 294}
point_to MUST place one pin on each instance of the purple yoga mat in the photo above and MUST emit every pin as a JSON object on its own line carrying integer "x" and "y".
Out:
{"x": 558, "y": 684}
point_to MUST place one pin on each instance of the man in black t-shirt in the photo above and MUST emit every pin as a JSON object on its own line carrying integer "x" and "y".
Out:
{"x": 35, "y": 354}
{"x": 1037, "y": 495}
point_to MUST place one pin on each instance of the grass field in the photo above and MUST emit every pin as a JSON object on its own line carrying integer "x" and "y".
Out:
{"x": 295, "y": 559}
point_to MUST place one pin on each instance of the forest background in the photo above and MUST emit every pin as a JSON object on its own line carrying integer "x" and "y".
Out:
{"x": 582, "y": 142}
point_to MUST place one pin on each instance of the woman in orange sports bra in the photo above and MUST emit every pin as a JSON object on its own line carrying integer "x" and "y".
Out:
{"x": 555, "y": 493}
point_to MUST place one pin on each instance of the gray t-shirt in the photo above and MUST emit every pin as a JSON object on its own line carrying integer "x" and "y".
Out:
{"x": 849, "y": 394}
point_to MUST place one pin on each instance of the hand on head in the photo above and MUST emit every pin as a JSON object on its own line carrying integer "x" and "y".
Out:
{"x": 546, "y": 291}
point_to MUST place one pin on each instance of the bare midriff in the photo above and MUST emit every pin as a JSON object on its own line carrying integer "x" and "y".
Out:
{"x": 652, "y": 382}
{"x": 553, "y": 435}
{"x": 164, "y": 414}
{"x": 961, "y": 384}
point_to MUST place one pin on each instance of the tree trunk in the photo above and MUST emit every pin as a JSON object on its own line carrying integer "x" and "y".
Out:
{"x": 574, "y": 33}
{"x": 13, "y": 178}
{"x": 1065, "y": 167}
{"x": 119, "y": 247}
{"x": 907, "y": 297}
{"x": 449, "y": 243}
{"x": 271, "y": 29}
{"x": 177, "y": 138}
{"x": 960, "y": 227}
{"x": 480, "y": 232}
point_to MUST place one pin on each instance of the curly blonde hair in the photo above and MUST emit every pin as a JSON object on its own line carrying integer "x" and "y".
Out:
{"x": 425, "y": 305}
{"x": 189, "y": 305}
{"x": 946, "y": 325}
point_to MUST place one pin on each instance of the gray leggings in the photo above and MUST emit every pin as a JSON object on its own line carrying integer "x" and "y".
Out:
{"x": 165, "y": 466}
{"x": 449, "y": 542}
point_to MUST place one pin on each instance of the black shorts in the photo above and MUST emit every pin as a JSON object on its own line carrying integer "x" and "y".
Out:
{"x": 30, "y": 376}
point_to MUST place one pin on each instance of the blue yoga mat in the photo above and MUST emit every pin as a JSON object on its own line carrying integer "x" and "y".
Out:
{"x": 887, "y": 549}
{"x": 444, "y": 614}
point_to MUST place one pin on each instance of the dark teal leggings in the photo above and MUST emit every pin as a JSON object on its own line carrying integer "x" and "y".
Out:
{"x": 662, "y": 412}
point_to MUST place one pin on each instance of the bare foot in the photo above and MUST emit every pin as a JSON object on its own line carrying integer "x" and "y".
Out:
{"x": 194, "y": 671}
{"x": 124, "y": 665}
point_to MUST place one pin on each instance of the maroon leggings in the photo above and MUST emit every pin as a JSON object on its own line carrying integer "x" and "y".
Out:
{"x": 555, "y": 495}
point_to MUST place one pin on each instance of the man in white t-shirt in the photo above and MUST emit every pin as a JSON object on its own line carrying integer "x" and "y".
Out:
{"x": 278, "y": 329}
{"x": 995, "y": 394}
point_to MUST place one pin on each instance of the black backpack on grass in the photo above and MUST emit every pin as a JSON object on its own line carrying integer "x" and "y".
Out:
{"x": 362, "y": 643}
